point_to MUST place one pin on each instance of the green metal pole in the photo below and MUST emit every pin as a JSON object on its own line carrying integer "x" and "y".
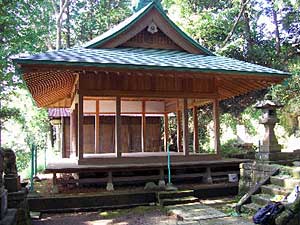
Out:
{"x": 169, "y": 165}
{"x": 45, "y": 158}
{"x": 32, "y": 168}
{"x": 35, "y": 161}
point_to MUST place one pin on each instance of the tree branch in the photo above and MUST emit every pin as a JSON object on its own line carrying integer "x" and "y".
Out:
{"x": 244, "y": 4}
{"x": 54, "y": 7}
{"x": 62, "y": 10}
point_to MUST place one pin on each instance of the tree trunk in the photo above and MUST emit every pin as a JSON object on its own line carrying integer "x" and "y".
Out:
{"x": 277, "y": 35}
{"x": 58, "y": 35}
{"x": 59, "y": 10}
{"x": 91, "y": 15}
{"x": 247, "y": 33}
{"x": 68, "y": 26}
{"x": 0, "y": 125}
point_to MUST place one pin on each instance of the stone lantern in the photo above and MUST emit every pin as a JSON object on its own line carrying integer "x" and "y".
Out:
{"x": 269, "y": 150}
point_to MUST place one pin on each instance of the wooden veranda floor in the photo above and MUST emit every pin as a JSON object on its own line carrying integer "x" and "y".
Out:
{"x": 142, "y": 163}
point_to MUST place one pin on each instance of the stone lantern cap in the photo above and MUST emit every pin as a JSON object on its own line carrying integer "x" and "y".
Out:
{"x": 268, "y": 103}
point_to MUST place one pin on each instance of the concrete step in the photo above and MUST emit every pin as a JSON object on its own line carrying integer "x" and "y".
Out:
{"x": 273, "y": 189}
{"x": 250, "y": 208}
{"x": 174, "y": 194}
{"x": 261, "y": 199}
{"x": 178, "y": 201}
{"x": 285, "y": 181}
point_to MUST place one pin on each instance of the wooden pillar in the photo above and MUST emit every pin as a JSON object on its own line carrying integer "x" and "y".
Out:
{"x": 75, "y": 131}
{"x": 216, "y": 126}
{"x": 62, "y": 136}
{"x": 179, "y": 130}
{"x": 54, "y": 184}
{"x": 143, "y": 135}
{"x": 72, "y": 147}
{"x": 118, "y": 140}
{"x": 185, "y": 128}
{"x": 196, "y": 134}
{"x": 166, "y": 131}
{"x": 97, "y": 130}
{"x": 80, "y": 127}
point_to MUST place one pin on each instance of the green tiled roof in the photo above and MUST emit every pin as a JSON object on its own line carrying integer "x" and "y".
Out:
{"x": 130, "y": 21}
{"x": 147, "y": 59}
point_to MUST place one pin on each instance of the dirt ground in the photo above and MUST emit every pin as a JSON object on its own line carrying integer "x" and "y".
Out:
{"x": 137, "y": 216}
{"x": 144, "y": 215}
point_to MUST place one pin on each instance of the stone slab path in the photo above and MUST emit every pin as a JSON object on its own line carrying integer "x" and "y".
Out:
{"x": 198, "y": 213}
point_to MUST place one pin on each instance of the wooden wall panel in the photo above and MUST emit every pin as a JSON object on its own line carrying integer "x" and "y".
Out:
{"x": 89, "y": 134}
{"x": 153, "y": 139}
{"x": 107, "y": 138}
{"x": 134, "y": 128}
{"x": 139, "y": 82}
{"x": 66, "y": 137}
{"x": 157, "y": 40}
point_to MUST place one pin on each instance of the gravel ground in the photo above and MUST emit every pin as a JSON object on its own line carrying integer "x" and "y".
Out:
{"x": 151, "y": 217}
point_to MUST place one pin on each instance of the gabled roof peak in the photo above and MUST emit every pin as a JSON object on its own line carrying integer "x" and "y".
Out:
{"x": 143, "y": 3}
{"x": 153, "y": 12}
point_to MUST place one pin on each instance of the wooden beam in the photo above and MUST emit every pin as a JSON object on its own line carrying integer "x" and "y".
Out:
{"x": 97, "y": 129}
{"x": 185, "y": 127}
{"x": 216, "y": 126}
{"x": 146, "y": 93}
{"x": 179, "y": 130}
{"x": 143, "y": 135}
{"x": 118, "y": 139}
{"x": 166, "y": 131}
{"x": 80, "y": 126}
{"x": 196, "y": 132}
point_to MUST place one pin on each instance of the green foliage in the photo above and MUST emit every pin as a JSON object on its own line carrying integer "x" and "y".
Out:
{"x": 288, "y": 93}
{"x": 248, "y": 116}
{"x": 23, "y": 158}
{"x": 230, "y": 147}
{"x": 31, "y": 126}
{"x": 229, "y": 121}
{"x": 92, "y": 18}
{"x": 205, "y": 117}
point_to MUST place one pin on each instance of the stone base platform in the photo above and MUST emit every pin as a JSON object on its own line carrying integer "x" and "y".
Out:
{"x": 10, "y": 218}
{"x": 277, "y": 157}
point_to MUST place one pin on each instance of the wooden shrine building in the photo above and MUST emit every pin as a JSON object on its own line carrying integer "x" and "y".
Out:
{"x": 119, "y": 85}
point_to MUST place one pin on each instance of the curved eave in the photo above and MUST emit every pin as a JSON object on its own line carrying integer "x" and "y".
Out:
{"x": 24, "y": 62}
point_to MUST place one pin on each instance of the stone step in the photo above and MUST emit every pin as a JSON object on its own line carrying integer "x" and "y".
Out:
{"x": 273, "y": 189}
{"x": 174, "y": 194}
{"x": 35, "y": 215}
{"x": 178, "y": 201}
{"x": 250, "y": 208}
{"x": 261, "y": 199}
{"x": 285, "y": 181}
{"x": 296, "y": 172}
